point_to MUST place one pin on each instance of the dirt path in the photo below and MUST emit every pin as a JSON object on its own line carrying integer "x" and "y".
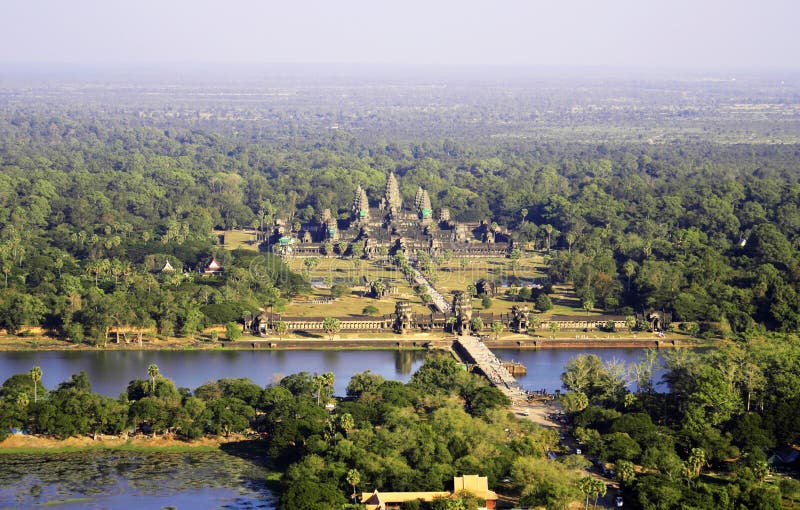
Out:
{"x": 537, "y": 412}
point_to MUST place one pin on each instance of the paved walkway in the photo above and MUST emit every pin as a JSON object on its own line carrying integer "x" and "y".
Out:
{"x": 437, "y": 299}
{"x": 492, "y": 368}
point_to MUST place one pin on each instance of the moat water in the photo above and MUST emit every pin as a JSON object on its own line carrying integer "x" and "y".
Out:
{"x": 546, "y": 365}
{"x": 111, "y": 371}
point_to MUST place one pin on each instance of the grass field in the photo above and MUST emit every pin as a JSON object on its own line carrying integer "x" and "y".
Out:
{"x": 455, "y": 274}
{"x": 235, "y": 239}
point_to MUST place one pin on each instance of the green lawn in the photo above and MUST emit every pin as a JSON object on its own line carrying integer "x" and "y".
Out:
{"x": 235, "y": 239}
{"x": 454, "y": 274}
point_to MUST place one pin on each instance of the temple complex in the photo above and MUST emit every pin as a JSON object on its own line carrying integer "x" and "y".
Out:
{"x": 390, "y": 228}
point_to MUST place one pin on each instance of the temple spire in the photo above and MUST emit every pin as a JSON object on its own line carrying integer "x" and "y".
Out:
{"x": 392, "y": 199}
{"x": 425, "y": 209}
{"x": 361, "y": 203}
{"x": 418, "y": 197}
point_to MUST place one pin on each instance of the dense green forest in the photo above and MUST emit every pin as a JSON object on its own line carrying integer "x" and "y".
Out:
{"x": 99, "y": 186}
{"x": 708, "y": 442}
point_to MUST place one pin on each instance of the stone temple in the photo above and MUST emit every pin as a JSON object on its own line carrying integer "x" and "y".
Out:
{"x": 388, "y": 226}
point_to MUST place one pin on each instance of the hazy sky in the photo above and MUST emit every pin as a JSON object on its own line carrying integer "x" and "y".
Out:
{"x": 563, "y": 33}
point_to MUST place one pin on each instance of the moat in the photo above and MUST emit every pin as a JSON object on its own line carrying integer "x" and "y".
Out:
{"x": 111, "y": 371}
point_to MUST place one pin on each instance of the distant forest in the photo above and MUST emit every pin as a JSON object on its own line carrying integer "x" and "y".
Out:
{"x": 676, "y": 196}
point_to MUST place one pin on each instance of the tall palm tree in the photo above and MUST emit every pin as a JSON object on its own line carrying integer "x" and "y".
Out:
{"x": 152, "y": 372}
{"x": 36, "y": 376}
{"x": 585, "y": 485}
{"x": 598, "y": 488}
{"x": 322, "y": 382}
{"x": 549, "y": 230}
{"x": 353, "y": 478}
{"x": 328, "y": 380}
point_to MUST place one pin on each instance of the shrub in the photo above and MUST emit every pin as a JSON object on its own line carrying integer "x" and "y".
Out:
{"x": 232, "y": 331}
{"x": 543, "y": 303}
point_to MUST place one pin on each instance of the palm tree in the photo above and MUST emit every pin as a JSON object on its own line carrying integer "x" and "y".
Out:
{"x": 152, "y": 372}
{"x": 323, "y": 381}
{"x": 378, "y": 288}
{"x": 629, "y": 268}
{"x": 570, "y": 237}
{"x": 328, "y": 379}
{"x": 585, "y": 485}
{"x": 626, "y": 471}
{"x": 346, "y": 422}
{"x": 36, "y": 376}
{"x": 598, "y": 489}
{"x": 22, "y": 400}
{"x": 353, "y": 478}
{"x": 549, "y": 230}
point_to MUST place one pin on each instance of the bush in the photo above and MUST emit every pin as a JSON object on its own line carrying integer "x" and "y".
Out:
{"x": 486, "y": 302}
{"x": 369, "y": 310}
{"x": 338, "y": 290}
{"x": 232, "y": 331}
{"x": 73, "y": 332}
{"x": 543, "y": 303}
{"x": 790, "y": 487}
{"x": 222, "y": 313}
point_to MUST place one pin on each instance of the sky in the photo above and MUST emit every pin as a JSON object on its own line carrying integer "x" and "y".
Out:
{"x": 691, "y": 34}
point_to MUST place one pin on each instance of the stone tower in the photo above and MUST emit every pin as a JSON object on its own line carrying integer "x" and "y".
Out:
{"x": 425, "y": 209}
{"x": 392, "y": 201}
{"x": 418, "y": 197}
{"x": 329, "y": 224}
{"x": 462, "y": 310}
{"x": 404, "y": 317}
{"x": 361, "y": 204}
{"x": 519, "y": 318}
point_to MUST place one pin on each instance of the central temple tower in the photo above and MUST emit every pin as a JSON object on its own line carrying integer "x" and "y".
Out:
{"x": 392, "y": 201}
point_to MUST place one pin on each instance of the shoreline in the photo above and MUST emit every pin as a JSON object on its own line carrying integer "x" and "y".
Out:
{"x": 36, "y": 445}
{"x": 419, "y": 342}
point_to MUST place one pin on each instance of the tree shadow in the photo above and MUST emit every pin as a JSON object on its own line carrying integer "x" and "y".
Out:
{"x": 253, "y": 450}
{"x": 306, "y": 334}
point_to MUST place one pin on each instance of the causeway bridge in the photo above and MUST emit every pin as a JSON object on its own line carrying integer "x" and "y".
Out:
{"x": 437, "y": 300}
{"x": 472, "y": 350}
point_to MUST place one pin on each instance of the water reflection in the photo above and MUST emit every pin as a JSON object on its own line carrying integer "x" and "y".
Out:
{"x": 331, "y": 357}
{"x": 110, "y": 371}
{"x": 404, "y": 362}
{"x": 546, "y": 365}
